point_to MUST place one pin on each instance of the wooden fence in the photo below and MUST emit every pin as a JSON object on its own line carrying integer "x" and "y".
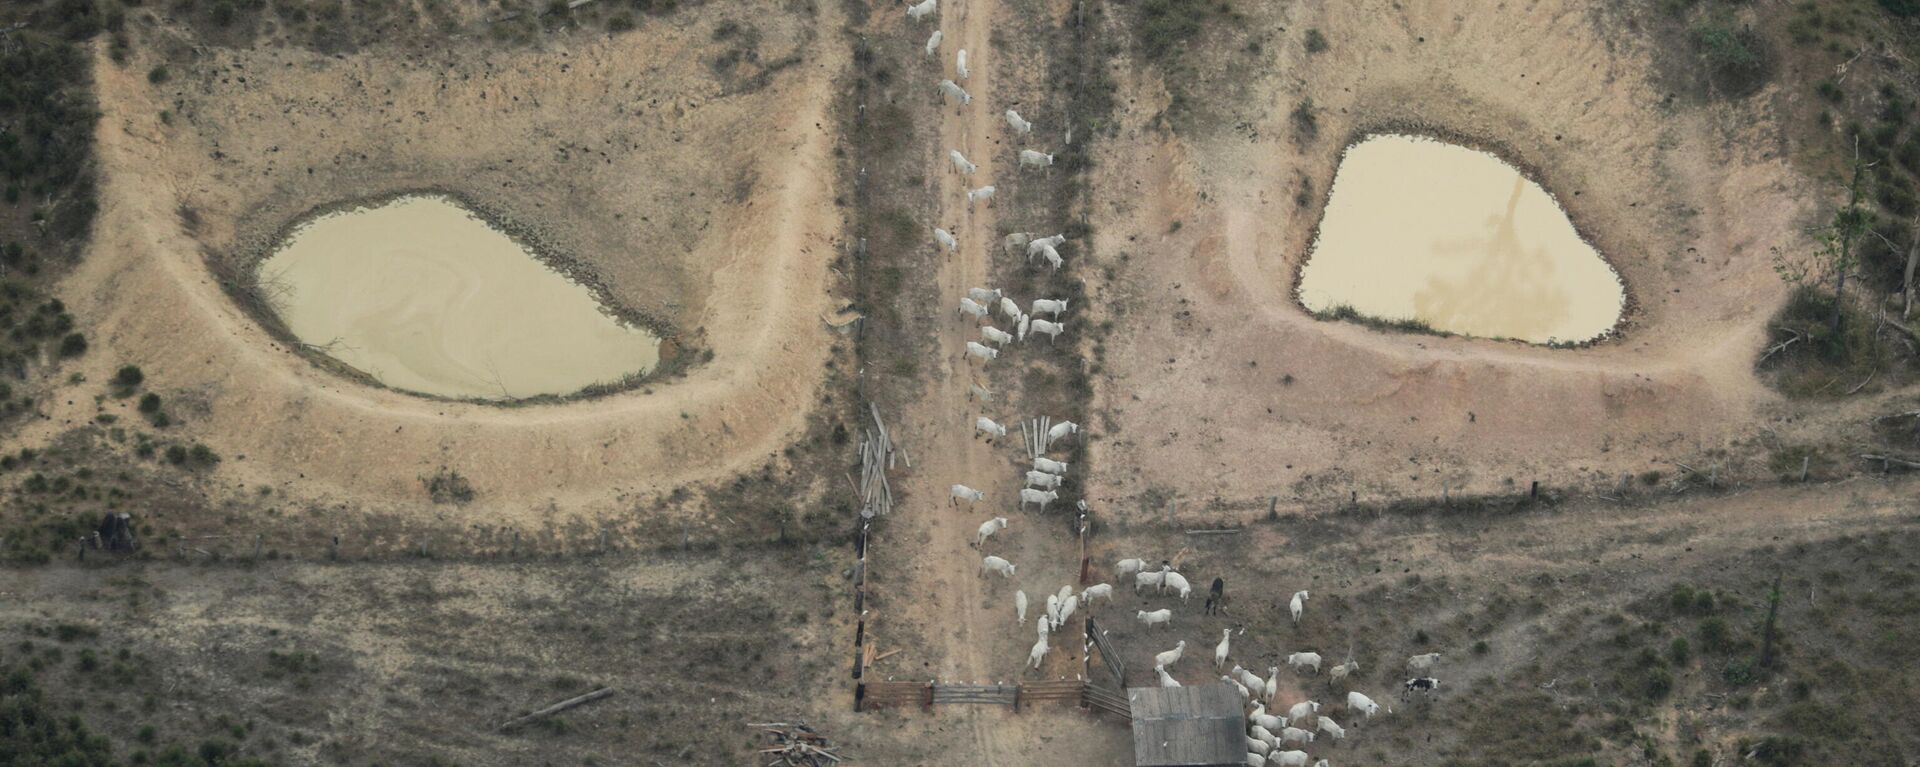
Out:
{"x": 1104, "y": 701}
{"x": 1098, "y": 638}
{"x": 872, "y": 695}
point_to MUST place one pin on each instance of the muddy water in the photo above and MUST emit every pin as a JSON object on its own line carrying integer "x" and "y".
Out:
{"x": 424, "y": 296}
{"x": 1458, "y": 239}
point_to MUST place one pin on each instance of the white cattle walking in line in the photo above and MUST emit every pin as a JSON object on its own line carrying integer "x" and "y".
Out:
{"x": 987, "y": 529}
{"x": 1260, "y": 717}
{"x": 1026, "y": 324}
{"x": 1044, "y": 481}
{"x": 976, "y": 390}
{"x": 1060, "y": 431}
{"x": 1250, "y": 679}
{"x": 1018, "y": 123}
{"x": 1052, "y": 257}
{"x": 1298, "y": 605}
{"x": 1156, "y": 617}
{"x": 1038, "y": 652}
{"x": 1053, "y": 307}
{"x": 960, "y": 162}
{"x": 995, "y": 335}
{"x": 983, "y": 193}
{"x": 920, "y": 11}
{"x": 996, "y": 564}
{"x": 982, "y": 352}
{"x": 1272, "y": 685}
{"x": 1032, "y": 159}
{"x": 946, "y": 239}
{"x": 1166, "y": 679}
{"x": 1010, "y": 309}
{"x": 970, "y": 306}
{"x": 1020, "y": 606}
{"x": 1041, "y": 497}
{"x": 1048, "y": 465}
{"x": 952, "y": 90}
{"x": 958, "y": 492}
{"x": 985, "y": 296}
{"x": 933, "y": 42}
{"x": 1363, "y": 704}
{"x": 960, "y": 65}
{"x": 987, "y": 426}
{"x": 1067, "y": 606}
{"x": 1053, "y": 610}
{"x": 1051, "y": 329}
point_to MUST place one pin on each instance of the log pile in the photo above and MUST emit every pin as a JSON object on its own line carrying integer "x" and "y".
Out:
{"x": 878, "y": 454}
{"x": 796, "y": 744}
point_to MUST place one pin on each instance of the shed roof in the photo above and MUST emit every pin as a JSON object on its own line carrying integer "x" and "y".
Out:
{"x": 1201, "y": 726}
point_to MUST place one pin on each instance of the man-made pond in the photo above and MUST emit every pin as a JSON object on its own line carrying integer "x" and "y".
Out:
{"x": 1421, "y": 232}
{"x": 422, "y": 295}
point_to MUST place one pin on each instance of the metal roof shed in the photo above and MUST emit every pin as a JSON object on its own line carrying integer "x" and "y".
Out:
{"x": 1188, "y": 726}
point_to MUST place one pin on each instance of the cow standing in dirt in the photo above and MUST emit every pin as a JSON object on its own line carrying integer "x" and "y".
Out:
{"x": 1217, "y": 596}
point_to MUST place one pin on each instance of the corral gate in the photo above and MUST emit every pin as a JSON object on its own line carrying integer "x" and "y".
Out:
{"x": 1107, "y": 655}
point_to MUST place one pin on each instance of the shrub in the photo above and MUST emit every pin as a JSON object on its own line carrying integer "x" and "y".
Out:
{"x": 1316, "y": 42}
{"x": 1679, "y": 651}
{"x": 1306, "y": 124}
{"x": 1165, "y": 26}
{"x": 159, "y": 74}
{"x": 1735, "y": 57}
{"x": 1715, "y": 636}
{"x": 73, "y": 345}
{"x": 150, "y": 403}
{"x": 129, "y": 377}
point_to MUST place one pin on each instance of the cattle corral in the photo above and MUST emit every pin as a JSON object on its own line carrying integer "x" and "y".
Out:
{"x": 1632, "y": 551}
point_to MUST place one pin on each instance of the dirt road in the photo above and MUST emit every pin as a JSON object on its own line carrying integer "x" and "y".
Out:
{"x": 969, "y": 618}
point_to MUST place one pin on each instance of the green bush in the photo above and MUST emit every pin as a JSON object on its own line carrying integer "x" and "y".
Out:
{"x": 1316, "y": 42}
{"x": 1735, "y": 56}
{"x": 1165, "y": 26}
{"x": 73, "y": 345}
{"x": 159, "y": 74}
{"x": 1715, "y": 636}
{"x": 129, "y": 377}
{"x": 1679, "y": 651}
{"x": 149, "y": 403}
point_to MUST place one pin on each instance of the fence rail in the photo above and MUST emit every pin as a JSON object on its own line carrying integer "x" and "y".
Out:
{"x": 926, "y": 695}
{"x": 1112, "y": 660}
{"x": 1105, "y": 701}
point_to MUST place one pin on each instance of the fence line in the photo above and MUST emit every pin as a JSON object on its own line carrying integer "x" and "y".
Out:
{"x": 925, "y": 695}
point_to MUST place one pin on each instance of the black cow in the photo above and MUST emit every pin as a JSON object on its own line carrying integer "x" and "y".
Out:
{"x": 1423, "y": 684}
{"x": 1217, "y": 596}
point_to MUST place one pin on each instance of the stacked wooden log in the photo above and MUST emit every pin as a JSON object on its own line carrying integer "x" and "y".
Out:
{"x": 796, "y": 744}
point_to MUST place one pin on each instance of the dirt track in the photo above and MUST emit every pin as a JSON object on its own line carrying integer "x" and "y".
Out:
{"x": 751, "y": 285}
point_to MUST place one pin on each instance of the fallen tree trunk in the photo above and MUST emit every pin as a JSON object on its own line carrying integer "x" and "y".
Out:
{"x": 557, "y": 708}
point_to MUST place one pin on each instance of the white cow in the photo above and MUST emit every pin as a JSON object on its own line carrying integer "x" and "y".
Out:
{"x": 1035, "y": 245}
{"x": 983, "y": 193}
{"x": 1178, "y": 583}
{"x": 1422, "y": 663}
{"x": 1020, "y": 606}
{"x": 1018, "y": 124}
{"x": 982, "y": 352}
{"x": 1166, "y": 679}
{"x": 1295, "y": 735}
{"x": 1332, "y": 729}
{"x": 1096, "y": 590}
{"x": 1010, "y": 309}
{"x": 1154, "y": 579}
{"x": 1272, "y": 686}
{"x": 986, "y": 425}
{"x": 994, "y": 335}
{"x": 1308, "y": 659}
{"x": 962, "y": 491}
{"x": 976, "y": 390}
{"x": 1030, "y": 495}
{"x": 1039, "y": 650}
{"x": 1061, "y": 430}
{"x": 960, "y": 162}
{"x": 1220, "y": 650}
{"x": 1363, "y": 704}
{"x": 960, "y": 65}
{"x": 952, "y": 90}
{"x": 1172, "y": 656}
{"x": 946, "y": 239}
{"x": 1032, "y": 159}
{"x": 987, "y": 529}
{"x": 1341, "y": 671}
{"x": 1250, "y": 679}
{"x": 1012, "y": 243}
{"x": 1043, "y": 480}
{"x": 984, "y": 296}
{"x": 1155, "y": 617}
{"x": 970, "y": 306}
{"x": 933, "y": 42}
{"x": 1067, "y": 606}
{"x": 1302, "y": 710}
{"x": 1052, "y": 257}
{"x": 1053, "y": 307}
{"x": 1245, "y": 694}
{"x": 997, "y": 565}
{"x": 1025, "y": 325}
{"x": 1298, "y": 605}
{"x": 1260, "y": 717}
{"x": 1053, "y": 610}
{"x": 1288, "y": 758}
{"x": 1263, "y": 734}
{"x": 922, "y": 10}
{"x": 1129, "y": 566}
{"x": 1042, "y": 463}
{"x": 1052, "y": 329}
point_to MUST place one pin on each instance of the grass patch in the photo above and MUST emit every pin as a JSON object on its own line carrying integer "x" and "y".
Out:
{"x": 1346, "y": 313}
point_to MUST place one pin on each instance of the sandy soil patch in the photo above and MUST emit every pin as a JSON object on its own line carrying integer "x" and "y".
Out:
{"x": 688, "y": 198}
{"x": 1225, "y": 388}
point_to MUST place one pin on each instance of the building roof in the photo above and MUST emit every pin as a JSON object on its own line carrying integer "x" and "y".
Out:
{"x": 1202, "y": 726}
